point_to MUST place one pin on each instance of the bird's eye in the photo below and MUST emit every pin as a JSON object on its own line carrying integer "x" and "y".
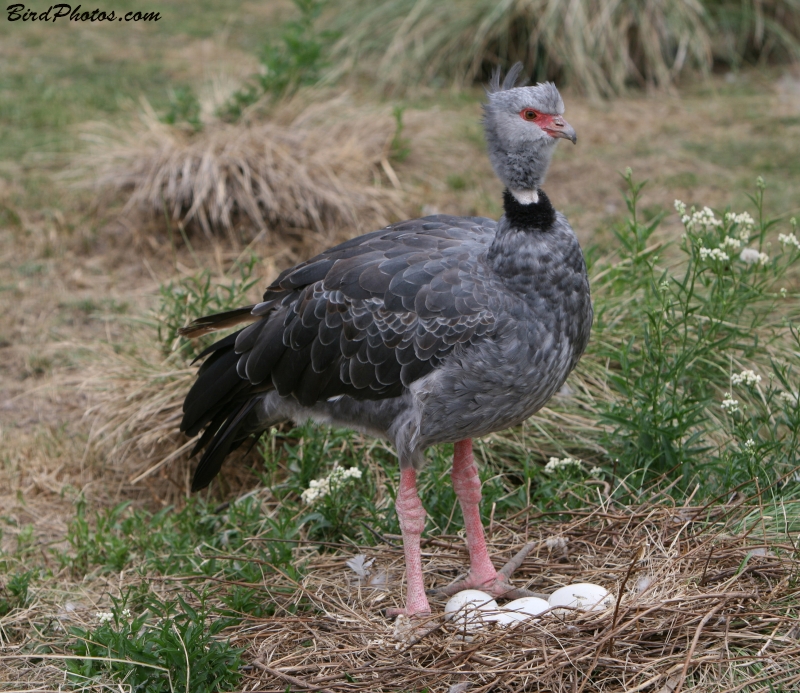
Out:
{"x": 529, "y": 114}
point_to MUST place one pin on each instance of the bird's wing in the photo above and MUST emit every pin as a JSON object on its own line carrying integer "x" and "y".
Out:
{"x": 365, "y": 319}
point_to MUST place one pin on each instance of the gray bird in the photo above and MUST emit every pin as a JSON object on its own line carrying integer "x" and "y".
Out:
{"x": 433, "y": 330}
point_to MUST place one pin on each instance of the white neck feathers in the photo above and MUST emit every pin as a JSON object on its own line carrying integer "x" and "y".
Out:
{"x": 526, "y": 197}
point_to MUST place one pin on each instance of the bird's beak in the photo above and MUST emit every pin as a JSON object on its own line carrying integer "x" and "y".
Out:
{"x": 558, "y": 127}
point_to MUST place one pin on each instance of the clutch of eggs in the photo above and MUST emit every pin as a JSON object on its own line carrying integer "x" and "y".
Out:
{"x": 473, "y": 609}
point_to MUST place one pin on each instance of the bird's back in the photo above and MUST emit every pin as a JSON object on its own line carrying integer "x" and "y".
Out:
{"x": 364, "y": 319}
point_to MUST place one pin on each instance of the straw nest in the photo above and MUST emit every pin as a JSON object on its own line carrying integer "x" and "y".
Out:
{"x": 706, "y": 600}
{"x": 325, "y": 169}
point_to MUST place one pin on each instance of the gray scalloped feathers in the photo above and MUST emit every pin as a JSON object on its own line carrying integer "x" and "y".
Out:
{"x": 364, "y": 319}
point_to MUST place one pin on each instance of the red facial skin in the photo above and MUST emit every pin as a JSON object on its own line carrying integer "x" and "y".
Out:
{"x": 553, "y": 125}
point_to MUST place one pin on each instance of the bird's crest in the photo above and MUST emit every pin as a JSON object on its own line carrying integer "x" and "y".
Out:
{"x": 508, "y": 83}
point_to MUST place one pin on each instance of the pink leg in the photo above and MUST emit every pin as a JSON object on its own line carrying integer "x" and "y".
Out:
{"x": 412, "y": 521}
{"x": 482, "y": 574}
{"x": 467, "y": 485}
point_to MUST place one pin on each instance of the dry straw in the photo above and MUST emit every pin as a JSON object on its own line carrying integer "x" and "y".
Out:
{"x": 322, "y": 171}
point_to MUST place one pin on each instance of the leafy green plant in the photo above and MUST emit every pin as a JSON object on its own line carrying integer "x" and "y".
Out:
{"x": 305, "y": 472}
{"x": 184, "y": 107}
{"x": 167, "y": 542}
{"x": 294, "y": 62}
{"x": 680, "y": 336}
{"x": 170, "y": 646}
{"x": 14, "y": 593}
{"x": 103, "y": 544}
{"x": 400, "y": 147}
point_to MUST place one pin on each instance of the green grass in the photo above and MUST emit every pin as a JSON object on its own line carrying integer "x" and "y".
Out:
{"x": 163, "y": 646}
{"x": 195, "y": 296}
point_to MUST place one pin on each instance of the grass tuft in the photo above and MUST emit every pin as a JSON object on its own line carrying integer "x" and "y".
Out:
{"x": 317, "y": 172}
{"x": 599, "y": 46}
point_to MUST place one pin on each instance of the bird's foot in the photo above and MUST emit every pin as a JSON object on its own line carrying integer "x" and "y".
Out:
{"x": 409, "y": 630}
{"x": 495, "y": 583}
{"x": 498, "y": 586}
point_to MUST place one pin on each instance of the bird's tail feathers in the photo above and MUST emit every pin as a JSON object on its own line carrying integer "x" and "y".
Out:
{"x": 220, "y": 404}
{"x": 235, "y": 430}
{"x": 218, "y": 321}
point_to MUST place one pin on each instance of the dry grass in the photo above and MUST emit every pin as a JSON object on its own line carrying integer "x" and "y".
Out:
{"x": 137, "y": 410}
{"x": 599, "y": 46}
{"x": 707, "y": 602}
{"x": 596, "y": 45}
{"x": 317, "y": 172}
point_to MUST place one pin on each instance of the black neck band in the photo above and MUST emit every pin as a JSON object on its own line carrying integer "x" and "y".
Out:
{"x": 539, "y": 216}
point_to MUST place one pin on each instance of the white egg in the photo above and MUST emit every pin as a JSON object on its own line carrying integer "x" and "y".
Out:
{"x": 532, "y": 606}
{"x": 508, "y": 618}
{"x": 470, "y": 609}
{"x": 584, "y": 596}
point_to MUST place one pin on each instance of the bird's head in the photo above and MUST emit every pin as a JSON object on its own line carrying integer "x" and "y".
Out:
{"x": 523, "y": 125}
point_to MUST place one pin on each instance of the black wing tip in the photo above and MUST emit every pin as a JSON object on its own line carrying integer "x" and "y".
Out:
{"x": 226, "y": 439}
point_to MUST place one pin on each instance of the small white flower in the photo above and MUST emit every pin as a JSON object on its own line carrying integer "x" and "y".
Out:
{"x": 761, "y": 183}
{"x": 788, "y": 239}
{"x": 750, "y": 256}
{"x": 749, "y": 446}
{"x": 319, "y": 488}
{"x": 789, "y": 399}
{"x": 746, "y": 377}
{"x": 730, "y": 405}
{"x": 783, "y": 292}
{"x": 743, "y": 219}
{"x": 763, "y": 259}
{"x": 704, "y": 220}
{"x": 713, "y": 254}
{"x": 664, "y": 286}
{"x": 554, "y": 464}
{"x": 126, "y": 614}
{"x": 596, "y": 472}
{"x": 105, "y": 617}
{"x": 731, "y": 242}
{"x": 680, "y": 208}
{"x": 316, "y": 490}
{"x": 745, "y": 223}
